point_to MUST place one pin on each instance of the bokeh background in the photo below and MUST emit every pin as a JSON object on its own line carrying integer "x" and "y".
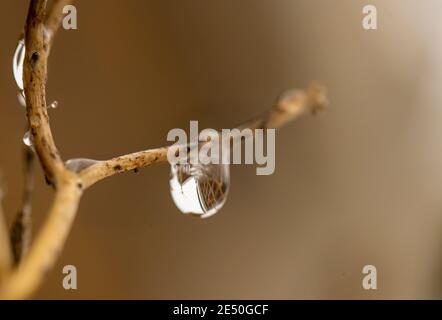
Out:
{"x": 360, "y": 184}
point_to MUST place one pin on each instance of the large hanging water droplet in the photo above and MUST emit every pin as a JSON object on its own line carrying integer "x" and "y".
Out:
{"x": 17, "y": 64}
{"x": 200, "y": 189}
{"x": 28, "y": 140}
{"x": 77, "y": 165}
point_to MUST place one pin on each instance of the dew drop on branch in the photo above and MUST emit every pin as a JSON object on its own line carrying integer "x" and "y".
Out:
{"x": 78, "y": 165}
{"x": 199, "y": 189}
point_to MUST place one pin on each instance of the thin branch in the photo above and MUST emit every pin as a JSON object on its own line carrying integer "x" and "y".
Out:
{"x": 21, "y": 230}
{"x": 289, "y": 106}
{"x": 47, "y": 247}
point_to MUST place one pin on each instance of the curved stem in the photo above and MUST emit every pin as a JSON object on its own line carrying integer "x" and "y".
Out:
{"x": 21, "y": 230}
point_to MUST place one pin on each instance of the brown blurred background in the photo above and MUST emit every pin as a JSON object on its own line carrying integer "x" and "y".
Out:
{"x": 359, "y": 185}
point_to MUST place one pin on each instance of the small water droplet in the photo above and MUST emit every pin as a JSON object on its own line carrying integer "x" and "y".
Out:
{"x": 21, "y": 98}
{"x": 28, "y": 140}
{"x": 199, "y": 189}
{"x": 78, "y": 165}
{"x": 17, "y": 64}
{"x": 53, "y": 105}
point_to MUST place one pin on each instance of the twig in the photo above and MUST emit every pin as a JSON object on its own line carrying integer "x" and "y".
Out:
{"x": 129, "y": 162}
{"x": 47, "y": 247}
{"x": 21, "y": 229}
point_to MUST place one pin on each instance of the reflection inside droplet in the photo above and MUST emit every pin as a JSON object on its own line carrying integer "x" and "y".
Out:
{"x": 199, "y": 189}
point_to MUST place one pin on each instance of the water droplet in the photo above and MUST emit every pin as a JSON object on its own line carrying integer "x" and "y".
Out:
{"x": 17, "y": 64}
{"x": 200, "y": 189}
{"x": 28, "y": 140}
{"x": 78, "y": 165}
{"x": 22, "y": 99}
{"x": 53, "y": 105}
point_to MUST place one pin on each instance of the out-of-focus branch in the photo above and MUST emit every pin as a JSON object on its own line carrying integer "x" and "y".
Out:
{"x": 290, "y": 105}
{"x": 47, "y": 247}
{"x": 22, "y": 226}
